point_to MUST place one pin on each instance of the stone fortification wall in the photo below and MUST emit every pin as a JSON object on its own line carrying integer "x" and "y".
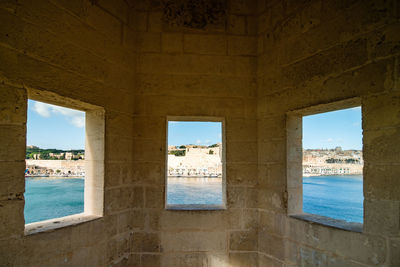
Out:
{"x": 59, "y": 52}
{"x": 325, "y": 51}
{"x": 249, "y": 62}
{"x": 57, "y": 164}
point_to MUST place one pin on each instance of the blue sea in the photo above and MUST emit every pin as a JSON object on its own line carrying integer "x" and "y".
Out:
{"x": 339, "y": 197}
{"x": 48, "y": 198}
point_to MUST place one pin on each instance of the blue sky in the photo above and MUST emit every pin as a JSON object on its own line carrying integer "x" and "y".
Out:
{"x": 51, "y": 126}
{"x": 331, "y": 129}
{"x": 194, "y": 132}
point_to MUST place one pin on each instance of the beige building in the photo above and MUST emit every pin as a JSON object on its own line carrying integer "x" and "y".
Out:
{"x": 197, "y": 161}
{"x": 260, "y": 65}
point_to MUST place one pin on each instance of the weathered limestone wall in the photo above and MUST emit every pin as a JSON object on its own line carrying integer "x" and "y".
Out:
{"x": 315, "y": 52}
{"x": 200, "y": 67}
{"x": 247, "y": 61}
{"x": 78, "y": 50}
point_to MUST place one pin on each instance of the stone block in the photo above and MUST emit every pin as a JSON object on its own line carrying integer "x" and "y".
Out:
{"x": 117, "y": 121}
{"x": 13, "y": 142}
{"x": 194, "y": 241}
{"x": 369, "y": 79}
{"x": 381, "y": 111}
{"x": 243, "y": 7}
{"x": 87, "y": 234}
{"x": 236, "y": 24}
{"x": 12, "y": 182}
{"x": 193, "y": 220}
{"x": 272, "y": 222}
{"x": 272, "y": 151}
{"x": 394, "y": 252}
{"x": 241, "y": 174}
{"x": 150, "y": 260}
{"x": 242, "y": 259}
{"x": 13, "y": 104}
{"x": 113, "y": 174}
{"x": 148, "y": 150}
{"x": 381, "y": 146}
{"x": 336, "y": 59}
{"x": 205, "y": 44}
{"x": 251, "y": 26}
{"x": 12, "y": 217}
{"x": 265, "y": 260}
{"x": 148, "y": 42}
{"x": 240, "y": 152}
{"x": 138, "y": 20}
{"x": 118, "y": 8}
{"x": 152, "y": 220}
{"x": 149, "y": 127}
{"x": 382, "y": 217}
{"x": 236, "y": 197}
{"x": 151, "y": 173}
{"x": 184, "y": 259}
{"x": 196, "y": 64}
{"x": 196, "y": 85}
{"x": 249, "y": 219}
{"x": 104, "y": 22}
{"x": 172, "y": 42}
{"x": 145, "y": 242}
{"x": 273, "y": 200}
{"x": 271, "y": 245}
{"x": 241, "y": 129}
{"x": 90, "y": 256}
{"x": 243, "y": 240}
{"x": 154, "y": 197}
{"x": 242, "y": 46}
{"x": 155, "y": 21}
{"x": 381, "y": 181}
{"x": 269, "y": 128}
{"x": 118, "y": 148}
{"x": 234, "y": 219}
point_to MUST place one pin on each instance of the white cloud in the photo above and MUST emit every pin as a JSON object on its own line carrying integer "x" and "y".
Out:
{"x": 75, "y": 117}
{"x": 207, "y": 141}
{"x": 78, "y": 121}
{"x": 329, "y": 140}
{"x": 356, "y": 124}
{"x": 42, "y": 109}
{"x": 198, "y": 142}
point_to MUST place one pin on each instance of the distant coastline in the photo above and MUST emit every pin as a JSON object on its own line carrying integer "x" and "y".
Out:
{"x": 334, "y": 174}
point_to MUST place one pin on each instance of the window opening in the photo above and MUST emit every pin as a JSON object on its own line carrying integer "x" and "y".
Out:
{"x": 195, "y": 175}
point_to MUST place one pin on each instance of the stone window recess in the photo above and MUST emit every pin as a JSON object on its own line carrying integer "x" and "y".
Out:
{"x": 197, "y": 167}
{"x": 294, "y": 163}
{"x": 94, "y": 162}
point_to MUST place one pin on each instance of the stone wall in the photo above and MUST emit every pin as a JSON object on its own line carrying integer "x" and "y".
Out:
{"x": 56, "y": 51}
{"x": 203, "y": 66}
{"x": 325, "y": 51}
{"x": 247, "y": 61}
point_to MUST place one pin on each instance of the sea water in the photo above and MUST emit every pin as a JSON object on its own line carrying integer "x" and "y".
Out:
{"x": 48, "y": 198}
{"x": 206, "y": 191}
{"x": 339, "y": 197}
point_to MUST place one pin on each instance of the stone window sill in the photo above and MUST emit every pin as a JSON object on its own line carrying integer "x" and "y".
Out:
{"x": 53, "y": 224}
{"x": 330, "y": 222}
{"x": 190, "y": 207}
